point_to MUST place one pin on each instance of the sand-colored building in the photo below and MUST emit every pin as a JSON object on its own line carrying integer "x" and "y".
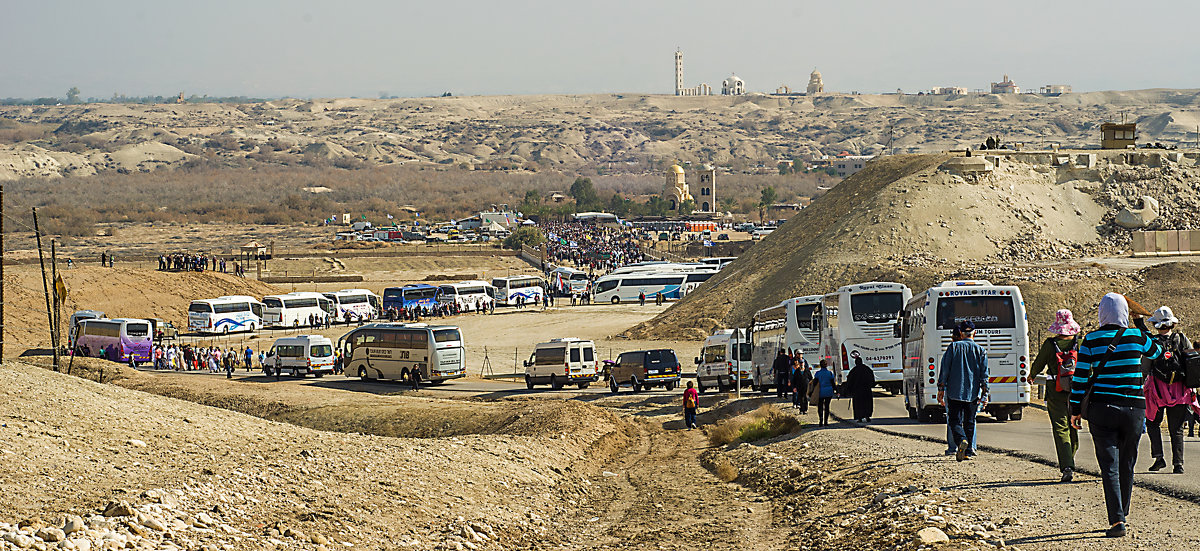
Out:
{"x": 816, "y": 85}
{"x": 1006, "y": 86}
{"x": 706, "y": 188}
{"x": 701, "y": 89}
{"x": 676, "y": 190}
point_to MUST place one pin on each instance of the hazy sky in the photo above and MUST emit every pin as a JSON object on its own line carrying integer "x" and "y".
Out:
{"x": 414, "y": 48}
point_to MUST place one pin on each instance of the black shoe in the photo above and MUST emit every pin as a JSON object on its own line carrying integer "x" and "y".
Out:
{"x": 961, "y": 454}
{"x": 1178, "y": 469}
{"x": 1115, "y": 531}
{"x": 1067, "y": 475}
{"x": 1159, "y": 464}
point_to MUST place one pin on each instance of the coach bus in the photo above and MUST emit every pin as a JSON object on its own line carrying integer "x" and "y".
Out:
{"x": 860, "y": 322}
{"x": 120, "y": 340}
{"x": 724, "y": 357}
{"x": 354, "y": 304}
{"x": 1001, "y": 327}
{"x": 628, "y": 287}
{"x": 468, "y": 295}
{"x": 296, "y": 309}
{"x": 398, "y": 351}
{"x": 408, "y": 296}
{"x": 567, "y": 281}
{"x": 792, "y": 326}
{"x": 225, "y": 315}
{"x": 509, "y": 288}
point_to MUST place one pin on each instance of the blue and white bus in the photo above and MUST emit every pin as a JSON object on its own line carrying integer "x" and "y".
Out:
{"x": 508, "y": 289}
{"x": 224, "y": 315}
{"x": 408, "y": 296}
{"x": 618, "y": 288}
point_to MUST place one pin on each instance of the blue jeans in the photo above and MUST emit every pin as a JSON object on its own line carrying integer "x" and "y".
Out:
{"x": 689, "y": 417}
{"x": 1116, "y": 431}
{"x": 960, "y": 419}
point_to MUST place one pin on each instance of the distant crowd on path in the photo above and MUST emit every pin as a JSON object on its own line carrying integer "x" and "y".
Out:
{"x": 184, "y": 262}
{"x": 437, "y": 310}
{"x": 590, "y": 247}
{"x": 214, "y": 359}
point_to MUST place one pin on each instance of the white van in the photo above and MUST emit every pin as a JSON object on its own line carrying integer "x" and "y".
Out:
{"x": 300, "y": 356}
{"x": 568, "y": 361}
{"x": 715, "y": 366}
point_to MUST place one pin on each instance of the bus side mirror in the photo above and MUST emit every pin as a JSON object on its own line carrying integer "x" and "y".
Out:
{"x": 526, "y": 363}
{"x": 898, "y": 329}
{"x": 697, "y": 361}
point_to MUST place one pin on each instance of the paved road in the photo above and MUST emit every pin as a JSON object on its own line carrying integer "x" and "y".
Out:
{"x": 1031, "y": 437}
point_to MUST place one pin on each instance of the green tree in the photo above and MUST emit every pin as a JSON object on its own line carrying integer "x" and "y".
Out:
{"x": 524, "y": 236}
{"x": 687, "y": 206}
{"x": 656, "y": 206}
{"x": 584, "y": 194}
{"x": 766, "y": 200}
{"x": 618, "y": 205}
{"x": 532, "y": 197}
{"x": 73, "y": 95}
{"x": 728, "y": 204}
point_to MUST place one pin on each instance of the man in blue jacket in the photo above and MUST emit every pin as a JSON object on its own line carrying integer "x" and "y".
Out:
{"x": 962, "y": 388}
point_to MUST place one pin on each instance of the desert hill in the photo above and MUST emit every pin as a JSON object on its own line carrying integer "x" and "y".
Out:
{"x": 918, "y": 220}
{"x": 622, "y": 133}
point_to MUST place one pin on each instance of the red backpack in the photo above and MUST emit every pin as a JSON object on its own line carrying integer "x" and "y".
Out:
{"x": 1067, "y": 359}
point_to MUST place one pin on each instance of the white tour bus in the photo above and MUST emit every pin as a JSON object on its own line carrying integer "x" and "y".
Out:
{"x": 567, "y": 361}
{"x": 626, "y": 287}
{"x": 724, "y": 353}
{"x": 860, "y": 322}
{"x": 567, "y": 281}
{"x": 1001, "y": 327}
{"x": 531, "y": 288}
{"x": 467, "y": 294}
{"x": 296, "y": 309}
{"x": 661, "y": 267}
{"x": 397, "y": 351}
{"x": 224, "y": 315}
{"x": 792, "y": 325}
{"x": 300, "y": 355}
{"x": 354, "y": 304}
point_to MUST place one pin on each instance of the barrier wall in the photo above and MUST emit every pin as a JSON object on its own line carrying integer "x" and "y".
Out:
{"x": 1166, "y": 243}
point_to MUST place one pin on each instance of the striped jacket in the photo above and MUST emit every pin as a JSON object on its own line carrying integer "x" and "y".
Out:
{"x": 1120, "y": 381}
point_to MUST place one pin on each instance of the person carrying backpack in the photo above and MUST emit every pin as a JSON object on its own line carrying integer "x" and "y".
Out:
{"x": 691, "y": 401}
{"x": 1166, "y": 394}
{"x": 1058, "y": 357}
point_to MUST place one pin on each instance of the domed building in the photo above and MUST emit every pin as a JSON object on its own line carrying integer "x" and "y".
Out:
{"x": 815, "y": 84}
{"x": 676, "y": 191}
{"x": 733, "y": 86}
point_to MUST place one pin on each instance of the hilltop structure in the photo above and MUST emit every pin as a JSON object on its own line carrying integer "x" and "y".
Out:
{"x": 701, "y": 89}
{"x": 733, "y": 86}
{"x": 816, "y": 85}
{"x": 1006, "y": 86}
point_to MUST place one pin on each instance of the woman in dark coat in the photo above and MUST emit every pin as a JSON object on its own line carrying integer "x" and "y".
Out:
{"x": 859, "y": 385}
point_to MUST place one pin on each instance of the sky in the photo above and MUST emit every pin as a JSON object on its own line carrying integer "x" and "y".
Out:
{"x": 364, "y": 48}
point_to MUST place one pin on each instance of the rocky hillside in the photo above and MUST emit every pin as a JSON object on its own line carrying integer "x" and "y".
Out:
{"x": 617, "y": 132}
{"x": 920, "y": 219}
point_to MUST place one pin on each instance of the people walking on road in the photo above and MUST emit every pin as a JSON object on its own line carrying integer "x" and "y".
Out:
{"x": 1109, "y": 359}
{"x": 801, "y": 378}
{"x": 1058, "y": 356}
{"x": 962, "y": 388}
{"x": 641, "y": 298}
{"x": 691, "y": 401}
{"x": 823, "y": 379}
{"x": 781, "y": 369}
{"x": 1166, "y": 394}
{"x": 860, "y": 387}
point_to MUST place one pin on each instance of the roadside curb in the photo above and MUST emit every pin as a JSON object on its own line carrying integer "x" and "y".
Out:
{"x": 1163, "y": 489}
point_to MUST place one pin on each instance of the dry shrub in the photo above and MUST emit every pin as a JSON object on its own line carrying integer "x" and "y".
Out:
{"x": 725, "y": 470}
{"x": 764, "y": 422}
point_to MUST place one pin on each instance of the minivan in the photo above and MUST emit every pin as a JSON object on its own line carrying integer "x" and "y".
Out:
{"x": 567, "y": 361}
{"x": 299, "y": 356}
{"x": 643, "y": 369}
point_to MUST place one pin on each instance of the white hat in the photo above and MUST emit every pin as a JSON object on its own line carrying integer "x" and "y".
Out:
{"x": 1163, "y": 316}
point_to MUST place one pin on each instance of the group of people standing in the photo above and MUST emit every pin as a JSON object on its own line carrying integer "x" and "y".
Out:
{"x": 213, "y": 358}
{"x": 184, "y": 262}
{"x": 591, "y": 247}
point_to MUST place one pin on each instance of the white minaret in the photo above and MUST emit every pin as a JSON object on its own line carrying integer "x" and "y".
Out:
{"x": 678, "y": 72}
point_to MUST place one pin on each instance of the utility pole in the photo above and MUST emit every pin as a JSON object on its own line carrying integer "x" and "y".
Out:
{"x": 57, "y": 317}
{"x": 1, "y": 271}
{"x": 37, "y": 232}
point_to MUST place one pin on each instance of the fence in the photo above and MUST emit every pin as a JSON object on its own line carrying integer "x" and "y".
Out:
{"x": 1166, "y": 243}
{"x": 532, "y": 256}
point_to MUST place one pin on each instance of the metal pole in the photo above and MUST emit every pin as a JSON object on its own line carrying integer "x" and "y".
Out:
{"x": 1, "y": 272}
{"x": 738, "y": 361}
{"x": 45, "y": 287}
{"x": 57, "y": 330}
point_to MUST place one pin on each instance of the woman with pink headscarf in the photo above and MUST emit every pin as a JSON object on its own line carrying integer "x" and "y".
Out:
{"x": 1057, "y": 357}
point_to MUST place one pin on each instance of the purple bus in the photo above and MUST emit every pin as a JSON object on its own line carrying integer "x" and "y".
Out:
{"x": 120, "y": 340}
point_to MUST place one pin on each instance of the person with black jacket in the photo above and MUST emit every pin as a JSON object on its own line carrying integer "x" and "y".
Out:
{"x": 860, "y": 387}
{"x": 1166, "y": 394}
{"x": 801, "y": 379}
{"x": 1110, "y": 358}
{"x": 780, "y": 368}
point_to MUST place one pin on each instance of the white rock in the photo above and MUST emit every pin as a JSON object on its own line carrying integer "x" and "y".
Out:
{"x": 154, "y": 524}
{"x": 205, "y": 519}
{"x": 51, "y": 535}
{"x": 932, "y": 536}
{"x": 21, "y": 541}
{"x": 73, "y": 524}
{"x": 136, "y": 443}
{"x": 82, "y": 544}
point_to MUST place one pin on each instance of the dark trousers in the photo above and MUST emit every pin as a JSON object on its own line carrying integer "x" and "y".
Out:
{"x": 781, "y": 385}
{"x": 960, "y": 416}
{"x": 1116, "y": 431}
{"x": 1175, "y": 418}
{"x": 689, "y": 417}
{"x": 823, "y": 409}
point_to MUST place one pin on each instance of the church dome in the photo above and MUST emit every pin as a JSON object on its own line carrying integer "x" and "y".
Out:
{"x": 676, "y": 169}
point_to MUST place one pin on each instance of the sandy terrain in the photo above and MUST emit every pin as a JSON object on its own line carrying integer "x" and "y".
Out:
{"x": 615, "y": 131}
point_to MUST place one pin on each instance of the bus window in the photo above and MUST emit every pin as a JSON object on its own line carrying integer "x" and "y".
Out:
{"x": 876, "y": 307}
{"x": 575, "y": 355}
{"x": 321, "y": 351}
{"x": 607, "y": 285}
{"x": 985, "y": 312}
{"x": 420, "y": 339}
{"x": 137, "y": 329}
{"x": 269, "y": 302}
{"x": 589, "y": 354}
{"x": 200, "y": 308}
{"x": 806, "y": 316}
{"x": 446, "y": 335}
{"x": 551, "y": 356}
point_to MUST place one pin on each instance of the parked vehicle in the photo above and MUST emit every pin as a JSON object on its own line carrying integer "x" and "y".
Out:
{"x": 299, "y": 356}
{"x": 225, "y": 315}
{"x": 163, "y": 330}
{"x": 398, "y": 350}
{"x": 120, "y": 340}
{"x": 644, "y": 369}
{"x": 76, "y": 319}
{"x": 567, "y": 361}
{"x": 724, "y": 356}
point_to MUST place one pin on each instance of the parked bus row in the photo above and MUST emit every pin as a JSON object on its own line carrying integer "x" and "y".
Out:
{"x": 901, "y": 337}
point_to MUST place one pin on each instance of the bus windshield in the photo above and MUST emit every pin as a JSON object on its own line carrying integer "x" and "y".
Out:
{"x": 876, "y": 307}
{"x": 420, "y": 293}
{"x": 200, "y": 308}
{"x": 804, "y": 315}
{"x": 393, "y": 292}
{"x": 984, "y": 312}
{"x": 137, "y": 329}
{"x": 446, "y": 335}
{"x": 270, "y": 302}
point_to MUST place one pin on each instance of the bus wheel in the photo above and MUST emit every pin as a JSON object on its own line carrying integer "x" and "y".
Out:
{"x": 613, "y": 387}
{"x": 616, "y": 300}
{"x": 253, "y": 327}
{"x": 528, "y": 382}
{"x": 700, "y": 385}
{"x": 1015, "y": 415}
{"x": 912, "y": 412}
{"x": 225, "y": 331}
{"x": 362, "y": 373}
{"x": 554, "y": 382}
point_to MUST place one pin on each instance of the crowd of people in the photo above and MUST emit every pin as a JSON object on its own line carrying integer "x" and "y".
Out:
{"x": 590, "y": 247}
{"x": 214, "y": 359}
{"x": 437, "y": 310}
{"x": 186, "y": 262}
